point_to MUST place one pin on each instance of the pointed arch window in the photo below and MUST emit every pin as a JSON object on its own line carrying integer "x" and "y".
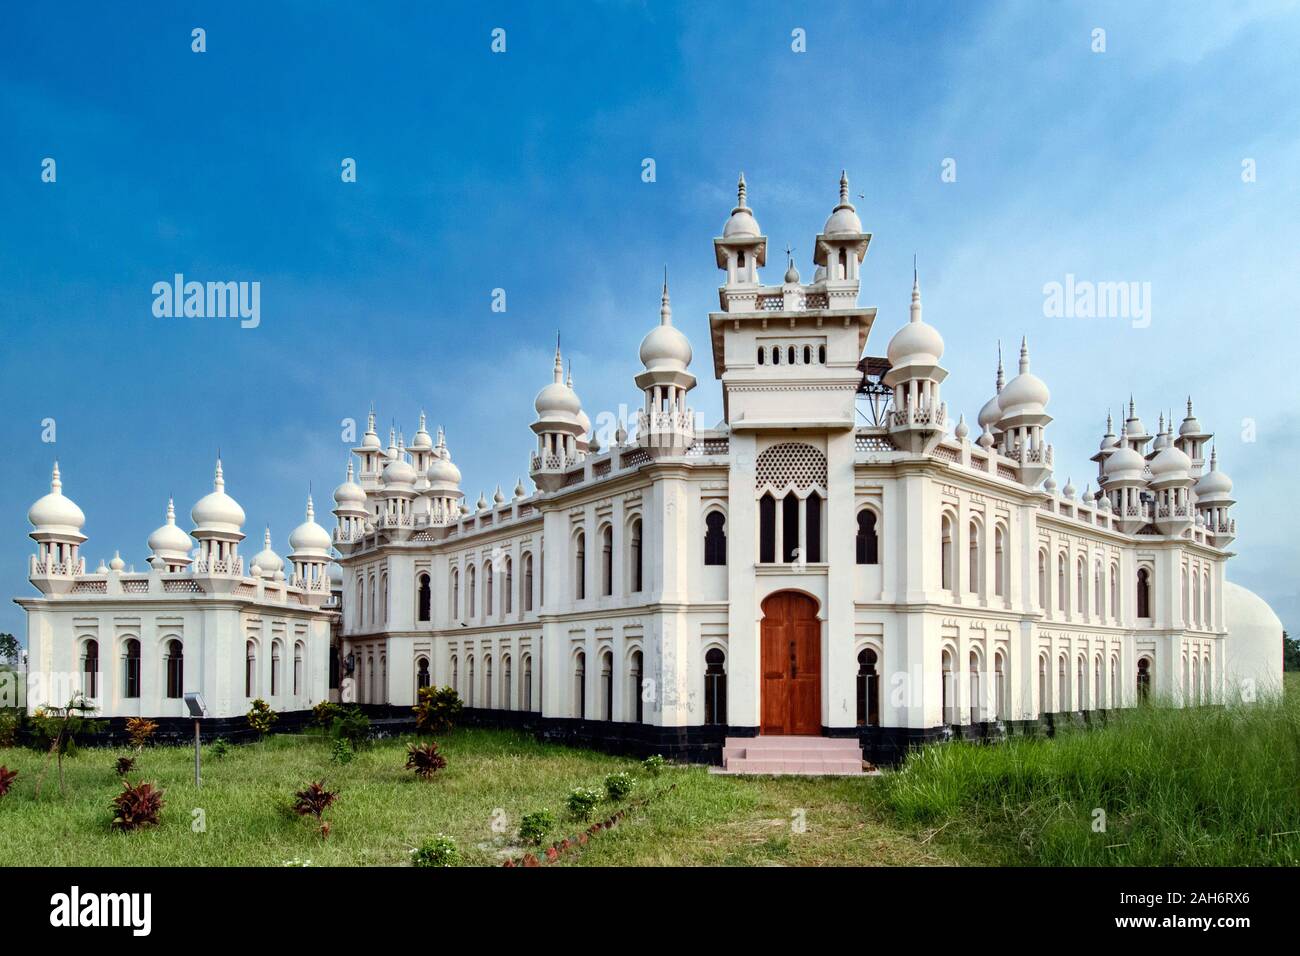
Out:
{"x": 607, "y": 561}
{"x": 90, "y": 669}
{"x": 635, "y": 546}
{"x": 715, "y": 538}
{"x": 508, "y": 589}
{"x": 422, "y": 678}
{"x": 175, "y": 670}
{"x": 867, "y": 544}
{"x": 471, "y": 575}
{"x": 250, "y": 669}
{"x": 1000, "y": 561}
{"x": 947, "y": 555}
{"x": 489, "y": 587}
{"x": 635, "y": 671}
{"x": 528, "y": 580}
{"x": 1042, "y": 580}
{"x": 1144, "y": 680}
{"x": 131, "y": 669}
{"x": 767, "y": 529}
{"x": 715, "y": 687}
{"x": 580, "y": 685}
{"x": 868, "y": 689}
{"x": 580, "y": 566}
{"x": 790, "y": 527}
{"x": 423, "y": 598}
{"x": 976, "y": 557}
{"x": 1143, "y": 593}
{"x": 607, "y": 686}
{"x": 527, "y": 687}
{"x": 297, "y": 668}
{"x": 455, "y": 593}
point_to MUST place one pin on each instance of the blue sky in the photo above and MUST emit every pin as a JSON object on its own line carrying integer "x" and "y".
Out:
{"x": 522, "y": 171}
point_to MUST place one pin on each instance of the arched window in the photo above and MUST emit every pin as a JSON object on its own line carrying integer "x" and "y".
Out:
{"x": 1187, "y": 614}
{"x": 1042, "y": 684}
{"x": 607, "y": 561}
{"x": 1205, "y": 592}
{"x": 844, "y": 265}
{"x": 1144, "y": 680}
{"x": 813, "y": 527}
{"x": 1079, "y": 598}
{"x": 790, "y": 527}
{"x": 275, "y": 668}
{"x": 1143, "y": 593}
{"x": 527, "y": 687}
{"x": 298, "y": 654}
{"x": 1196, "y": 598}
{"x": 469, "y": 674}
{"x": 767, "y": 529}
{"x": 635, "y": 671}
{"x": 175, "y": 670}
{"x": 423, "y": 597}
{"x": 1098, "y": 592}
{"x": 1060, "y": 583}
{"x": 740, "y": 258}
{"x": 999, "y": 562}
{"x": 789, "y": 355}
{"x": 1042, "y": 580}
{"x": 508, "y": 591}
{"x": 1205, "y": 680}
{"x": 821, "y": 355}
{"x": 487, "y": 681}
{"x": 383, "y": 593}
{"x": 471, "y": 573}
{"x": 634, "y": 545}
{"x": 776, "y": 355}
{"x": 1114, "y": 592}
{"x": 807, "y": 355}
{"x": 422, "y": 679}
{"x": 1097, "y": 701}
{"x": 580, "y": 684}
{"x": 507, "y": 683}
{"x": 131, "y": 669}
{"x": 762, "y": 355}
{"x": 361, "y": 603}
{"x": 90, "y": 669}
{"x": 976, "y": 700}
{"x": 949, "y": 713}
{"x": 715, "y": 538}
{"x": 946, "y": 556}
{"x": 1063, "y": 685}
{"x": 607, "y": 686}
{"x": 250, "y": 670}
{"x": 976, "y": 558}
{"x": 868, "y": 689}
{"x": 715, "y": 687}
{"x": 455, "y": 674}
{"x": 1081, "y": 684}
{"x": 867, "y": 543}
{"x": 373, "y": 605}
{"x": 1000, "y": 685}
{"x": 489, "y": 587}
{"x": 455, "y": 592}
{"x": 528, "y": 580}
{"x": 1114, "y": 682}
{"x": 1196, "y": 682}
{"x": 580, "y": 566}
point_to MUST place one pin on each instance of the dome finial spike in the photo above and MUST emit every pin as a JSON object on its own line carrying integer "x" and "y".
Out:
{"x": 1024, "y": 354}
{"x": 844, "y": 187}
{"x": 665, "y": 306}
{"x": 1001, "y": 376}
{"x": 740, "y": 191}
{"x": 559, "y": 362}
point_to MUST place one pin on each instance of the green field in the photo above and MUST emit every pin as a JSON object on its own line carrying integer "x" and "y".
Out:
{"x": 1211, "y": 786}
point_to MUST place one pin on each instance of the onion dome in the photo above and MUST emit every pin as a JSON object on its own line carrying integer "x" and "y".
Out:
{"x": 1026, "y": 394}
{"x": 1124, "y": 464}
{"x": 421, "y": 440}
{"x": 1068, "y": 490}
{"x": 1133, "y": 425}
{"x": 1104, "y": 504}
{"x": 791, "y": 274}
{"x": 117, "y": 564}
{"x": 991, "y": 413}
{"x": 665, "y": 347}
{"x": 742, "y": 222}
{"x": 962, "y": 429}
{"x": 309, "y": 539}
{"x": 371, "y": 438}
{"x": 1108, "y": 440}
{"x": 482, "y": 504}
{"x": 169, "y": 540}
{"x": 1214, "y": 484}
{"x": 399, "y": 474}
{"x": 519, "y": 489}
{"x": 217, "y": 511}
{"x": 1190, "y": 425}
{"x": 557, "y": 400}
{"x": 1170, "y": 464}
{"x": 1050, "y": 485}
{"x": 266, "y": 560}
{"x": 56, "y": 512}
{"x": 916, "y": 343}
{"x": 103, "y": 568}
{"x": 349, "y": 493}
{"x": 844, "y": 219}
{"x": 498, "y": 498}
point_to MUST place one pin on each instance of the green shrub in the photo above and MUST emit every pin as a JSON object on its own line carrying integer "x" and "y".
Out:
{"x": 261, "y": 717}
{"x": 341, "y": 752}
{"x": 440, "y": 851}
{"x": 437, "y": 710}
{"x": 220, "y": 748}
{"x": 619, "y": 785}
{"x": 534, "y": 827}
{"x": 323, "y": 714}
{"x": 351, "y": 725}
{"x": 10, "y": 721}
{"x": 582, "y": 801}
{"x": 653, "y": 765}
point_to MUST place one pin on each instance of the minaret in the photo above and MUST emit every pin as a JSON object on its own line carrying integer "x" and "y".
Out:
{"x": 840, "y": 249}
{"x": 310, "y": 556}
{"x": 740, "y": 250}
{"x": 218, "y": 529}
{"x": 665, "y": 424}
{"x": 56, "y": 528}
{"x": 1192, "y": 439}
{"x": 557, "y": 427}
{"x": 350, "y": 509}
{"x": 371, "y": 454}
{"x": 1024, "y": 419}
{"x": 1213, "y": 500}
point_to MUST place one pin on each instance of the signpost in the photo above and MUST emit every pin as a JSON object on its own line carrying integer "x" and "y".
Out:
{"x": 198, "y": 711}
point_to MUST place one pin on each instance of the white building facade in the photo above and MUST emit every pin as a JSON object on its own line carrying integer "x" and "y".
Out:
{"x": 836, "y": 558}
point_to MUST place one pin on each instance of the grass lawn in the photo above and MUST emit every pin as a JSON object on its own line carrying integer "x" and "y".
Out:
{"x": 383, "y": 810}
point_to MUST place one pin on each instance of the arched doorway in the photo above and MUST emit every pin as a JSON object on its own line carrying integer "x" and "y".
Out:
{"x": 791, "y": 649}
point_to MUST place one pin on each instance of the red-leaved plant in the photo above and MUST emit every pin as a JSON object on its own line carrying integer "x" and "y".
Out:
{"x": 138, "y": 805}
{"x": 6, "y": 779}
{"x": 424, "y": 759}
{"x": 124, "y": 765}
{"x": 313, "y": 800}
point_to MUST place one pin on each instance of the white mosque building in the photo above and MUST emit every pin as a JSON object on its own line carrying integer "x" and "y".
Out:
{"x": 836, "y": 562}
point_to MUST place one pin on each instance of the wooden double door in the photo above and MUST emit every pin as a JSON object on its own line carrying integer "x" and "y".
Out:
{"x": 791, "y": 665}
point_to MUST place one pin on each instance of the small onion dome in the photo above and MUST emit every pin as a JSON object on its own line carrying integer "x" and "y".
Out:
{"x": 217, "y": 511}
{"x": 117, "y": 564}
{"x": 1050, "y": 485}
{"x": 791, "y": 274}
{"x": 1171, "y": 464}
{"x": 421, "y": 440}
{"x": 442, "y": 470}
{"x": 962, "y": 429}
{"x": 1026, "y": 394}
{"x": 399, "y": 473}
{"x": 1190, "y": 425}
{"x": 349, "y": 492}
{"x": 371, "y": 438}
{"x": 482, "y": 502}
{"x": 1124, "y": 464}
{"x": 267, "y": 560}
{"x": 742, "y": 222}
{"x": 665, "y": 347}
{"x": 1214, "y": 484}
{"x": 499, "y": 498}
{"x": 55, "y": 512}
{"x": 519, "y": 489}
{"x": 844, "y": 218}
{"x": 309, "y": 538}
{"x": 170, "y": 540}
{"x": 916, "y": 343}
{"x": 1068, "y": 490}
{"x": 1105, "y": 504}
{"x": 558, "y": 400}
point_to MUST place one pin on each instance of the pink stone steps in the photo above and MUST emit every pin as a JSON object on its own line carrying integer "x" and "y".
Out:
{"x": 806, "y": 756}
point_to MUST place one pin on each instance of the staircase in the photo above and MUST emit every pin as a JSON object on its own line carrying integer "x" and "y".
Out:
{"x": 807, "y": 756}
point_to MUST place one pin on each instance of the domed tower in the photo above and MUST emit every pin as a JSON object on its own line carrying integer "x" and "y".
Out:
{"x": 1108, "y": 444}
{"x": 1125, "y": 481}
{"x": 665, "y": 424}
{"x": 266, "y": 563}
{"x": 218, "y": 528}
{"x": 421, "y": 451}
{"x": 371, "y": 453}
{"x": 1024, "y": 416}
{"x": 444, "y": 486}
{"x": 840, "y": 249}
{"x": 991, "y": 413}
{"x": 169, "y": 545}
{"x": 350, "y": 508}
{"x": 396, "y": 494}
{"x": 1213, "y": 499}
{"x": 1135, "y": 432}
{"x": 309, "y": 553}
{"x": 1192, "y": 439}
{"x": 1171, "y": 481}
{"x": 56, "y": 528}
{"x": 917, "y": 421}
{"x": 558, "y": 428}
{"x": 740, "y": 250}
